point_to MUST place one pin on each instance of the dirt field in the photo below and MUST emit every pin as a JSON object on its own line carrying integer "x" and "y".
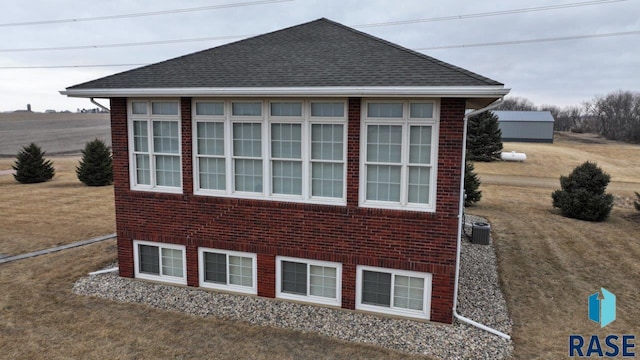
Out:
{"x": 548, "y": 266}
{"x": 58, "y": 133}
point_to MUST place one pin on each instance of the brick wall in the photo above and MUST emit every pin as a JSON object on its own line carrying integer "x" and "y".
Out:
{"x": 350, "y": 235}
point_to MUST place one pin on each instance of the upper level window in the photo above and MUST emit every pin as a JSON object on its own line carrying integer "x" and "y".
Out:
{"x": 291, "y": 149}
{"x": 246, "y": 108}
{"x": 327, "y": 109}
{"x": 398, "y": 155}
{"x": 384, "y": 110}
{"x": 154, "y": 142}
{"x": 247, "y": 157}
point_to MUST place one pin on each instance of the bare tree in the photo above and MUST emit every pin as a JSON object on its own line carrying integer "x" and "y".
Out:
{"x": 517, "y": 104}
{"x": 617, "y": 115}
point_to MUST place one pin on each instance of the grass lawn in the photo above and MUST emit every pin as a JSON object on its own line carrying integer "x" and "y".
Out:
{"x": 549, "y": 264}
{"x": 41, "y": 318}
{"x": 548, "y": 267}
{"x": 60, "y": 211}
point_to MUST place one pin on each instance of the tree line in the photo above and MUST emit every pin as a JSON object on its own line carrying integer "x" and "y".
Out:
{"x": 615, "y": 116}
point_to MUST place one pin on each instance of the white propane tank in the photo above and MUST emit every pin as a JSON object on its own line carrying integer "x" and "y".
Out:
{"x": 513, "y": 156}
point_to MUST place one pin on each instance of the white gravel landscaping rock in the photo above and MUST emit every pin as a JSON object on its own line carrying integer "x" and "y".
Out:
{"x": 480, "y": 299}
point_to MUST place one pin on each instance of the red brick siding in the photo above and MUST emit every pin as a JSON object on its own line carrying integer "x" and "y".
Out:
{"x": 353, "y": 152}
{"x": 350, "y": 235}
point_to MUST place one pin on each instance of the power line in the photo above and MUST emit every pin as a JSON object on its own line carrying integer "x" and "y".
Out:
{"x": 492, "y": 13}
{"x": 516, "y": 42}
{"x": 512, "y": 42}
{"x": 103, "y": 46}
{"x": 65, "y": 66}
{"x": 150, "y": 13}
{"x": 175, "y": 41}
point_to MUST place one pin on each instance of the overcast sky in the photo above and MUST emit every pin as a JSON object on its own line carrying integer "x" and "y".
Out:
{"x": 557, "y": 72}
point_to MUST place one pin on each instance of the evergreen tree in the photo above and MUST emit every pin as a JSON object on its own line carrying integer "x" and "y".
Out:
{"x": 484, "y": 137}
{"x": 31, "y": 166}
{"x": 471, "y": 185}
{"x": 583, "y": 193}
{"x": 96, "y": 165}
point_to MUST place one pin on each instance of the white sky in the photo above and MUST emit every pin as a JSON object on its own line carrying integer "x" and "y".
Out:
{"x": 559, "y": 72}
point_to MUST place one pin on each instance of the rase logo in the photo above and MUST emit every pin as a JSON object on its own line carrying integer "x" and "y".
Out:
{"x": 602, "y": 310}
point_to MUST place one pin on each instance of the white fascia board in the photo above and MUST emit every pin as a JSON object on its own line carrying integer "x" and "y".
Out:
{"x": 384, "y": 91}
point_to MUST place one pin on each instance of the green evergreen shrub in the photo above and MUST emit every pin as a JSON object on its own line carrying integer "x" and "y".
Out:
{"x": 471, "y": 185}
{"x": 31, "y": 167}
{"x": 96, "y": 165}
{"x": 484, "y": 137}
{"x": 583, "y": 193}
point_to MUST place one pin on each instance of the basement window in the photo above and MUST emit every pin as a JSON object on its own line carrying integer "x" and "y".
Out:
{"x": 396, "y": 292}
{"x": 160, "y": 262}
{"x": 309, "y": 280}
{"x": 227, "y": 270}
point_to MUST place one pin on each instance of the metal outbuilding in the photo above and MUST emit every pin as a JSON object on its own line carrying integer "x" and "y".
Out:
{"x": 526, "y": 126}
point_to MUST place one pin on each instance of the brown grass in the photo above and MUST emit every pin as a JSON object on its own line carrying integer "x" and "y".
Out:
{"x": 550, "y": 264}
{"x": 41, "y": 318}
{"x": 60, "y": 211}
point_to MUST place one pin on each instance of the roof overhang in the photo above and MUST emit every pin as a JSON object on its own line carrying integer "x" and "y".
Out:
{"x": 477, "y": 96}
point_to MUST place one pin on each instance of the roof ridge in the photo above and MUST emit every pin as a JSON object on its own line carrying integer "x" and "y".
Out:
{"x": 409, "y": 51}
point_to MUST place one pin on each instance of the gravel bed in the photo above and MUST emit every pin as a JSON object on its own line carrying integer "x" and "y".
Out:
{"x": 480, "y": 299}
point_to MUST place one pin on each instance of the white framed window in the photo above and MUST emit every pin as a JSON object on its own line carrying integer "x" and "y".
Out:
{"x": 228, "y": 270}
{"x": 399, "y": 154}
{"x": 155, "y": 145}
{"x": 160, "y": 262}
{"x": 289, "y": 149}
{"x": 309, "y": 280}
{"x": 396, "y": 292}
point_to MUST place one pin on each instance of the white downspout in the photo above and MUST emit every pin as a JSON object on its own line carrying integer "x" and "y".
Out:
{"x": 455, "y": 288}
{"x": 100, "y": 105}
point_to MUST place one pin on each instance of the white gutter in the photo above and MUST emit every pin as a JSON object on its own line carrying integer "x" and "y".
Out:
{"x": 100, "y": 105}
{"x": 386, "y": 91}
{"x": 455, "y": 288}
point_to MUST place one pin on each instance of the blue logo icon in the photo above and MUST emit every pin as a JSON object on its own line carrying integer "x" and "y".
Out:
{"x": 602, "y": 310}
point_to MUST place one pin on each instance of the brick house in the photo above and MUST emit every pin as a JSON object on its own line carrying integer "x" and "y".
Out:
{"x": 315, "y": 164}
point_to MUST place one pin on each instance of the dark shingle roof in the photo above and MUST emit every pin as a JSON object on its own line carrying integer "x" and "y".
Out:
{"x": 321, "y": 53}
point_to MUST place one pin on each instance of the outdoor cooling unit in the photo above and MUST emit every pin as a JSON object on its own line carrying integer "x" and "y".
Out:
{"x": 480, "y": 232}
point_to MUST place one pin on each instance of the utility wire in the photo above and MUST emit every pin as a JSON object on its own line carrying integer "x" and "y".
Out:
{"x": 516, "y": 42}
{"x": 144, "y": 43}
{"x": 174, "y": 41}
{"x": 150, "y": 13}
{"x": 65, "y": 66}
{"x": 513, "y": 42}
{"x": 492, "y": 13}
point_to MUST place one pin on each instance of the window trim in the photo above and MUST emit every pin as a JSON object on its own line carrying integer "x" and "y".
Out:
{"x": 150, "y": 118}
{"x": 406, "y": 122}
{"x": 266, "y": 120}
{"x": 309, "y": 298}
{"x": 253, "y": 289}
{"x": 425, "y": 314}
{"x": 159, "y": 277}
